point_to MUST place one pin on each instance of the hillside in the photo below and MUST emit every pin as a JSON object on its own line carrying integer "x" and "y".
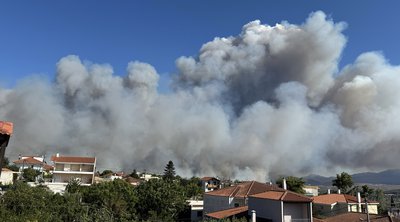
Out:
{"x": 391, "y": 177}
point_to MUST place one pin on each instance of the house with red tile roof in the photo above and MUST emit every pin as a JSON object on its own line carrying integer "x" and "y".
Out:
{"x": 210, "y": 184}
{"x": 67, "y": 168}
{"x": 269, "y": 202}
{"x": 333, "y": 204}
{"x": 234, "y": 196}
{"x": 281, "y": 205}
{"x": 34, "y": 162}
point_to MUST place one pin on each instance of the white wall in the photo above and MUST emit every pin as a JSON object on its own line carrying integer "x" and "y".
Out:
{"x": 296, "y": 210}
{"x": 267, "y": 209}
{"x": 6, "y": 177}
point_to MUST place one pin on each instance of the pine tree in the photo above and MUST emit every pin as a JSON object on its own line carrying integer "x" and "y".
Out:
{"x": 169, "y": 171}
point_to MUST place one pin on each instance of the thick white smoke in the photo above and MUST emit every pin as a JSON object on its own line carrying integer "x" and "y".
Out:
{"x": 266, "y": 102}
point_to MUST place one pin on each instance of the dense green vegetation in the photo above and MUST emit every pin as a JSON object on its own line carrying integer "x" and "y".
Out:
{"x": 155, "y": 200}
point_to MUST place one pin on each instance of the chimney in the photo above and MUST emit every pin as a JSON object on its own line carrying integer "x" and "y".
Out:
{"x": 253, "y": 216}
{"x": 329, "y": 191}
{"x": 284, "y": 184}
{"x": 359, "y": 201}
{"x": 338, "y": 191}
{"x": 57, "y": 155}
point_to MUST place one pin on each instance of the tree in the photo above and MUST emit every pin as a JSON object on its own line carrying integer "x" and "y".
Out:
{"x": 134, "y": 174}
{"x": 115, "y": 199}
{"x": 160, "y": 200}
{"x": 294, "y": 184}
{"x": 343, "y": 181}
{"x": 30, "y": 174}
{"x": 73, "y": 186}
{"x": 169, "y": 171}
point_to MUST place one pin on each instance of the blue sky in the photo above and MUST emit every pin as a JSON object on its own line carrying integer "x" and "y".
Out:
{"x": 34, "y": 35}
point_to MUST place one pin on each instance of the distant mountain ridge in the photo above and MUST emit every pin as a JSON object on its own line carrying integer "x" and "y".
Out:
{"x": 391, "y": 176}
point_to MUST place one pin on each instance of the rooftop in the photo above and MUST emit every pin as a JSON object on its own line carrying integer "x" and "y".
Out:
{"x": 208, "y": 178}
{"x": 28, "y": 160}
{"x": 6, "y": 128}
{"x": 228, "y": 213}
{"x": 73, "y": 159}
{"x": 336, "y": 198}
{"x": 245, "y": 189}
{"x": 285, "y": 196}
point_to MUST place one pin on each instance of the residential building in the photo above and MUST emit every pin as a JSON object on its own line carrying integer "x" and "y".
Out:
{"x": 268, "y": 203}
{"x": 34, "y": 162}
{"x": 282, "y": 206}
{"x": 196, "y": 210}
{"x": 113, "y": 176}
{"x": 67, "y": 168}
{"x": 234, "y": 196}
{"x": 133, "y": 181}
{"x": 148, "y": 176}
{"x": 311, "y": 191}
{"x": 210, "y": 184}
{"x": 333, "y": 204}
{"x": 7, "y": 176}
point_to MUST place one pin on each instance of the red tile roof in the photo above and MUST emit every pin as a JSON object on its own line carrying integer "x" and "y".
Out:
{"x": 354, "y": 217}
{"x": 337, "y": 198}
{"x": 6, "y": 128}
{"x": 208, "y": 178}
{"x": 73, "y": 159}
{"x": 29, "y": 160}
{"x": 6, "y": 170}
{"x": 285, "y": 196}
{"x": 228, "y": 213}
{"x": 244, "y": 189}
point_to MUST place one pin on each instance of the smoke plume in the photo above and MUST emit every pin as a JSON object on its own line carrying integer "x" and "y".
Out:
{"x": 268, "y": 101}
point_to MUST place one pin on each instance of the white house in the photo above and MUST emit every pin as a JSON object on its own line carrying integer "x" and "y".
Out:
{"x": 210, "y": 184}
{"x": 67, "y": 168}
{"x": 34, "y": 162}
{"x": 7, "y": 176}
{"x": 332, "y": 204}
{"x": 311, "y": 191}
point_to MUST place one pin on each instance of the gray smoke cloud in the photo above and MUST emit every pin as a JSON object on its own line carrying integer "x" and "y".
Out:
{"x": 268, "y": 101}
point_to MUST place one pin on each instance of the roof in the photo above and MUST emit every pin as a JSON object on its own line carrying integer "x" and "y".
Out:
{"x": 6, "y": 128}
{"x": 354, "y": 217}
{"x": 208, "y": 178}
{"x": 285, "y": 196}
{"x": 228, "y": 213}
{"x": 337, "y": 198}
{"x": 28, "y": 160}
{"x": 6, "y": 170}
{"x": 244, "y": 189}
{"x": 73, "y": 159}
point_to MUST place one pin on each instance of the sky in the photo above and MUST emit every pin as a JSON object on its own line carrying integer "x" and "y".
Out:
{"x": 139, "y": 83}
{"x": 36, "y": 34}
